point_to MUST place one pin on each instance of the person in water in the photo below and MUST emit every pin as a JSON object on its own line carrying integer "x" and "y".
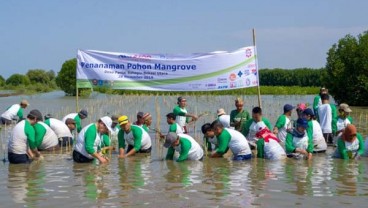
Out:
{"x": 299, "y": 144}
{"x": 350, "y": 144}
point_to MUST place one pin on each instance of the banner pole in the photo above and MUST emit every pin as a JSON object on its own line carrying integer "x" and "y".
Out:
{"x": 256, "y": 56}
{"x": 76, "y": 88}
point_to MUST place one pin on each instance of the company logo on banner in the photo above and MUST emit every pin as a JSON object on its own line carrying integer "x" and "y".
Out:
{"x": 165, "y": 72}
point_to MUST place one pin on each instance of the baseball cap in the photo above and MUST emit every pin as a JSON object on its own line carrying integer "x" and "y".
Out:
{"x": 107, "y": 121}
{"x": 288, "y": 107}
{"x": 123, "y": 120}
{"x": 302, "y": 122}
{"x": 47, "y": 116}
{"x": 308, "y": 112}
{"x": 24, "y": 102}
{"x": 170, "y": 139}
{"x": 221, "y": 111}
{"x": 84, "y": 113}
{"x": 36, "y": 113}
{"x": 345, "y": 107}
{"x": 301, "y": 106}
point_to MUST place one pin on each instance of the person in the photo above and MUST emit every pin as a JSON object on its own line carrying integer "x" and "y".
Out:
{"x": 223, "y": 118}
{"x": 318, "y": 101}
{"x": 283, "y": 124}
{"x": 22, "y": 146}
{"x": 137, "y": 138}
{"x": 327, "y": 117}
{"x": 300, "y": 108}
{"x": 350, "y": 144}
{"x": 342, "y": 120}
{"x": 140, "y": 120}
{"x": 230, "y": 139}
{"x": 173, "y": 126}
{"x": 147, "y": 121}
{"x": 115, "y": 130}
{"x": 299, "y": 144}
{"x": 314, "y": 130}
{"x": 13, "y": 112}
{"x": 185, "y": 145}
{"x": 268, "y": 145}
{"x": 61, "y": 129}
{"x": 209, "y": 138}
{"x": 89, "y": 141}
{"x": 249, "y": 130}
{"x": 46, "y": 139}
{"x": 239, "y": 116}
{"x": 182, "y": 115}
{"x": 78, "y": 117}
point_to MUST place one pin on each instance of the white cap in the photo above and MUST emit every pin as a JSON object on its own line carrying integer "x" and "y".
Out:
{"x": 260, "y": 125}
{"x": 107, "y": 121}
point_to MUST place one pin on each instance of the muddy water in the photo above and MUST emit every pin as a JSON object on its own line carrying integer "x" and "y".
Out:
{"x": 148, "y": 181}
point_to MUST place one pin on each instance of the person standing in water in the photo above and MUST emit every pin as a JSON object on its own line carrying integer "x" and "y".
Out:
{"x": 13, "y": 112}
{"x": 22, "y": 147}
{"x": 78, "y": 117}
{"x": 239, "y": 116}
{"x": 299, "y": 144}
{"x": 283, "y": 124}
{"x": 314, "y": 130}
{"x": 182, "y": 115}
{"x": 327, "y": 118}
{"x": 147, "y": 121}
{"x": 61, "y": 129}
{"x": 249, "y": 129}
{"x": 318, "y": 101}
{"x": 342, "y": 121}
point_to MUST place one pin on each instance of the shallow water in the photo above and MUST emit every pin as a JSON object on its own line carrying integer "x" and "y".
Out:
{"x": 148, "y": 181}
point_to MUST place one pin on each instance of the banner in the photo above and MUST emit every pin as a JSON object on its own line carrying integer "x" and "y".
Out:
{"x": 219, "y": 70}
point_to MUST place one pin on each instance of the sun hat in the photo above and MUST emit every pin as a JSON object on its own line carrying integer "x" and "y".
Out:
{"x": 107, "y": 121}
{"x": 221, "y": 111}
{"x": 345, "y": 107}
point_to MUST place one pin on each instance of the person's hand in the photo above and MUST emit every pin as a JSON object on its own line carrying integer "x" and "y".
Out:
{"x": 275, "y": 131}
{"x": 121, "y": 156}
{"x": 103, "y": 160}
{"x": 357, "y": 157}
{"x": 309, "y": 157}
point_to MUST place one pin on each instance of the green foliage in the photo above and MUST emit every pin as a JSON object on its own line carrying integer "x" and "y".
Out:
{"x": 304, "y": 77}
{"x": 51, "y": 74}
{"x": 66, "y": 78}
{"x": 18, "y": 79}
{"x": 38, "y": 76}
{"x": 347, "y": 70}
{"x": 2, "y": 81}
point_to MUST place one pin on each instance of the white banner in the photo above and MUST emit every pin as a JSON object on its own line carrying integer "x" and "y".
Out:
{"x": 219, "y": 70}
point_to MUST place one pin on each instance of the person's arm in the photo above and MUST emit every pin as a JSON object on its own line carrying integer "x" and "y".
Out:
{"x": 267, "y": 123}
{"x": 246, "y": 127}
{"x": 173, "y": 128}
{"x": 223, "y": 143}
{"x": 20, "y": 113}
{"x": 281, "y": 121}
{"x": 89, "y": 141}
{"x": 185, "y": 146}
{"x": 40, "y": 132}
{"x": 209, "y": 144}
{"x": 361, "y": 145}
{"x": 310, "y": 147}
{"x": 289, "y": 146}
{"x": 170, "y": 153}
{"x": 334, "y": 127}
{"x": 342, "y": 150}
{"x": 179, "y": 112}
{"x": 315, "y": 103}
{"x": 248, "y": 116}
{"x": 78, "y": 123}
{"x": 232, "y": 116}
{"x": 31, "y": 139}
{"x": 121, "y": 142}
{"x": 260, "y": 148}
{"x": 350, "y": 119}
{"x": 138, "y": 136}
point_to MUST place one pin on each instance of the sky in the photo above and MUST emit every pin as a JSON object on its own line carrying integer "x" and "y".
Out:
{"x": 289, "y": 33}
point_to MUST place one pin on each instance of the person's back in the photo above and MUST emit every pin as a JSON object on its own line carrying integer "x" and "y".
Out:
{"x": 59, "y": 127}
{"x": 225, "y": 120}
{"x": 325, "y": 118}
{"x": 238, "y": 143}
{"x": 195, "y": 152}
{"x": 45, "y": 136}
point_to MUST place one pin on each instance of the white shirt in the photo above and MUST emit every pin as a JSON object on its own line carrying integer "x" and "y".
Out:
{"x": 301, "y": 143}
{"x": 80, "y": 145}
{"x": 11, "y": 112}
{"x": 319, "y": 141}
{"x": 325, "y": 118}
{"x": 195, "y": 152}
{"x": 342, "y": 123}
{"x": 251, "y": 137}
{"x": 71, "y": 115}
{"x": 273, "y": 150}
{"x": 283, "y": 131}
{"x": 225, "y": 120}
{"x": 60, "y": 128}
{"x": 146, "y": 139}
{"x": 238, "y": 143}
{"x": 49, "y": 139}
{"x": 18, "y": 143}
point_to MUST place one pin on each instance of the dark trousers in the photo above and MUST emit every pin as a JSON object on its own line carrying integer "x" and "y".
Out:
{"x": 130, "y": 147}
{"x": 79, "y": 158}
{"x": 242, "y": 157}
{"x": 18, "y": 158}
{"x": 5, "y": 121}
{"x": 65, "y": 141}
{"x": 328, "y": 137}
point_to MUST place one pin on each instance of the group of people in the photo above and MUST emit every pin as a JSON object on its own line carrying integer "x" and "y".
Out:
{"x": 239, "y": 133}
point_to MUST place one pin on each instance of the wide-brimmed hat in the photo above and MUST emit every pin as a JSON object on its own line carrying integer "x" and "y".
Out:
{"x": 345, "y": 107}
{"x": 220, "y": 112}
{"x": 107, "y": 121}
{"x": 24, "y": 102}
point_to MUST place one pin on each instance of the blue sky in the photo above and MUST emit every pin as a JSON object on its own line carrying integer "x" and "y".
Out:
{"x": 290, "y": 33}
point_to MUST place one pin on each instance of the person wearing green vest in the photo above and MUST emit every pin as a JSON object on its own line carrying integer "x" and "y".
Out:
{"x": 22, "y": 147}
{"x": 317, "y": 100}
{"x": 299, "y": 144}
{"x": 13, "y": 112}
{"x": 78, "y": 117}
{"x": 147, "y": 119}
{"x": 350, "y": 144}
{"x": 343, "y": 119}
{"x": 182, "y": 115}
{"x": 187, "y": 147}
{"x": 283, "y": 124}
{"x": 249, "y": 130}
{"x": 238, "y": 116}
{"x": 136, "y": 137}
{"x": 327, "y": 118}
{"x": 88, "y": 144}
